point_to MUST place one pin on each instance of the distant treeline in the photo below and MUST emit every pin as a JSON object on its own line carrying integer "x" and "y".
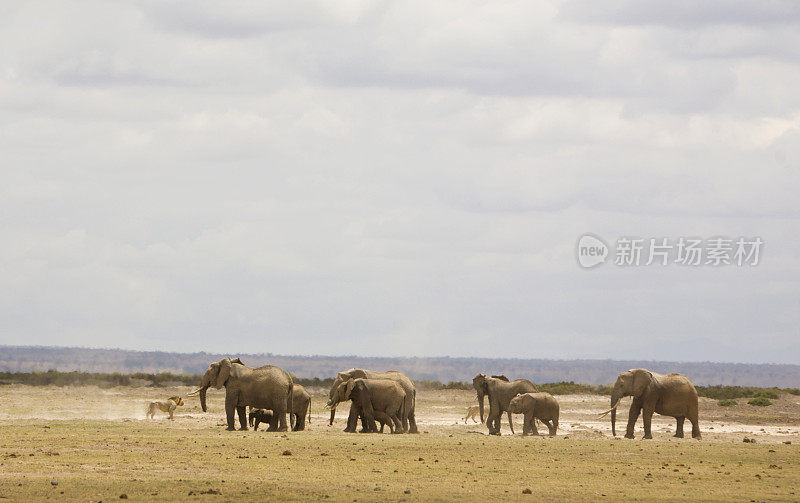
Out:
{"x": 106, "y": 380}
{"x": 163, "y": 379}
{"x": 433, "y": 368}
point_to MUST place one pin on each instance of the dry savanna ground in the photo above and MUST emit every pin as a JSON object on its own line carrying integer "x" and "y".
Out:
{"x": 90, "y": 444}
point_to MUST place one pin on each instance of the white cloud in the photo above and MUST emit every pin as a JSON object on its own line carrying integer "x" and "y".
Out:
{"x": 395, "y": 178}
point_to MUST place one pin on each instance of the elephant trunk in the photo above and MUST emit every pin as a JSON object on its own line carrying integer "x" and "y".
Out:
{"x": 333, "y": 414}
{"x": 480, "y": 403}
{"x": 203, "y": 397}
{"x": 614, "y": 422}
{"x": 616, "y": 396}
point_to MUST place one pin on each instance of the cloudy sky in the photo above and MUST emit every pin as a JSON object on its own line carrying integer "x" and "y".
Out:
{"x": 398, "y": 178}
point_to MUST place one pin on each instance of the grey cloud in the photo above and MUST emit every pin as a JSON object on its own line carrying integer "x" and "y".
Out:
{"x": 682, "y": 13}
{"x": 354, "y": 178}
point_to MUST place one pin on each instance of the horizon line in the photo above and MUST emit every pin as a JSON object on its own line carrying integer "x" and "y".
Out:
{"x": 35, "y": 346}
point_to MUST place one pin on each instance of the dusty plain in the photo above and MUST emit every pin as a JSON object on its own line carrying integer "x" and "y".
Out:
{"x": 92, "y": 444}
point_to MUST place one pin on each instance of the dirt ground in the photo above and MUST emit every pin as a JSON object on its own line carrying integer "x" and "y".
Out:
{"x": 91, "y": 444}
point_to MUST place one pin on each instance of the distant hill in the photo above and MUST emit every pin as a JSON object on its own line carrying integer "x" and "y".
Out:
{"x": 30, "y": 358}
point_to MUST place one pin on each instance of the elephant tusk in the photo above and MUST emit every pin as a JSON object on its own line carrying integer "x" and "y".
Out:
{"x": 195, "y": 392}
{"x": 612, "y": 408}
{"x": 606, "y": 412}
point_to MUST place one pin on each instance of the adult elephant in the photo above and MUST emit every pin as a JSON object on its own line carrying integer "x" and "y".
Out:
{"x": 669, "y": 395}
{"x": 408, "y": 419}
{"x": 381, "y": 399}
{"x": 266, "y": 387}
{"x": 500, "y": 392}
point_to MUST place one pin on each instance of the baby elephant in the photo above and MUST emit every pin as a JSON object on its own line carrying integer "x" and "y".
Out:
{"x": 168, "y": 406}
{"x": 259, "y": 416}
{"x": 541, "y": 406}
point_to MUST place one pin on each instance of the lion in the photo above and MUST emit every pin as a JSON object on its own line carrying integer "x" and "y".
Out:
{"x": 472, "y": 412}
{"x": 169, "y": 406}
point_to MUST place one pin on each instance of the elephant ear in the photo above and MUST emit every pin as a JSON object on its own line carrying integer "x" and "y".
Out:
{"x": 528, "y": 401}
{"x": 641, "y": 380}
{"x": 351, "y": 383}
{"x": 224, "y": 373}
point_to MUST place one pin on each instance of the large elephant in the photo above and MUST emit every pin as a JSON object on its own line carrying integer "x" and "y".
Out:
{"x": 541, "y": 406}
{"x": 382, "y": 399}
{"x": 500, "y": 392}
{"x": 408, "y": 418}
{"x": 266, "y": 387}
{"x": 669, "y": 395}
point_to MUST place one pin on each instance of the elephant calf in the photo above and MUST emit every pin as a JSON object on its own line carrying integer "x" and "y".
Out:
{"x": 301, "y": 408}
{"x": 541, "y": 406}
{"x": 258, "y": 416}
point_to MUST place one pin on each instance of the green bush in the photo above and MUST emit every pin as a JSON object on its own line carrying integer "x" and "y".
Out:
{"x": 570, "y": 388}
{"x": 720, "y": 392}
{"x": 760, "y": 401}
{"x": 793, "y": 391}
{"x": 767, "y": 394}
{"x": 726, "y": 403}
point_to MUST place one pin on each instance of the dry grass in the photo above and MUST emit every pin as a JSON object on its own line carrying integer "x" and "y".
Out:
{"x": 94, "y": 459}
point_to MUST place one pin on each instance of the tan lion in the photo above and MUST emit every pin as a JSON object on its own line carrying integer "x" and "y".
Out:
{"x": 472, "y": 412}
{"x": 169, "y": 406}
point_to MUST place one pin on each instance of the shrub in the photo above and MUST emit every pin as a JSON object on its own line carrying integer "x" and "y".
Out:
{"x": 720, "y": 392}
{"x": 760, "y": 401}
{"x": 766, "y": 394}
{"x": 726, "y": 403}
{"x": 793, "y": 391}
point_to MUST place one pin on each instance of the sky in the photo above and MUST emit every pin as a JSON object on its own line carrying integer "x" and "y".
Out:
{"x": 398, "y": 178}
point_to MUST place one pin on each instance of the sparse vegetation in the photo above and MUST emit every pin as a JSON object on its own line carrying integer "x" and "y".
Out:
{"x": 766, "y": 394}
{"x": 727, "y": 403}
{"x": 570, "y": 388}
{"x": 760, "y": 401}
{"x": 731, "y": 392}
{"x": 103, "y": 380}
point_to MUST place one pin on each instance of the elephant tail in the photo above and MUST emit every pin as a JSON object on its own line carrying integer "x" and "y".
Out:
{"x": 289, "y": 399}
{"x": 403, "y": 410}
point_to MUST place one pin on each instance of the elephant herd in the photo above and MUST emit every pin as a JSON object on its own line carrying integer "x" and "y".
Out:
{"x": 389, "y": 398}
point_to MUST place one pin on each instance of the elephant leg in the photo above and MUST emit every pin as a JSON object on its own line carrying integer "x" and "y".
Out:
{"x": 679, "y": 427}
{"x": 695, "y": 425}
{"x": 647, "y": 418}
{"x": 411, "y": 427}
{"x": 300, "y": 422}
{"x": 242, "y": 417}
{"x": 633, "y": 415}
{"x": 510, "y": 422}
{"x": 352, "y": 420}
{"x": 273, "y": 423}
{"x": 525, "y": 422}
{"x": 398, "y": 424}
{"x": 230, "y": 410}
{"x": 282, "y": 423}
{"x": 256, "y": 422}
{"x": 534, "y": 430}
{"x": 494, "y": 424}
